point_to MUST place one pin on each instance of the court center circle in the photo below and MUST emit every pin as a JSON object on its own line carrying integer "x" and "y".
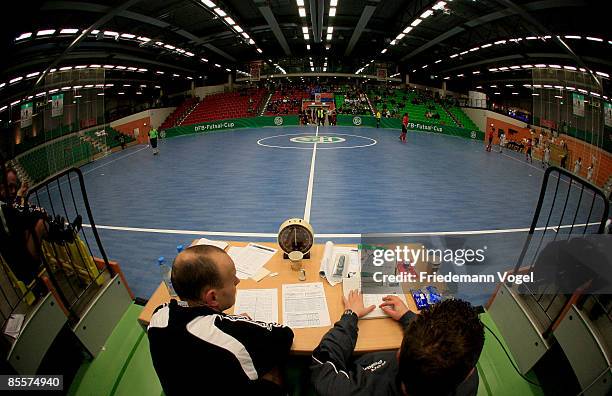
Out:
{"x": 305, "y": 141}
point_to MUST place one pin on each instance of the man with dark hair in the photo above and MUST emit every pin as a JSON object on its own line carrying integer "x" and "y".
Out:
{"x": 196, "y": 348}
{"x": 437, "y": 357}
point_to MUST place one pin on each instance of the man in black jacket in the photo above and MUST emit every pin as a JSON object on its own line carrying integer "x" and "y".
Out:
{"x": 437, "y": 358}
{"x": 198, "y": 349}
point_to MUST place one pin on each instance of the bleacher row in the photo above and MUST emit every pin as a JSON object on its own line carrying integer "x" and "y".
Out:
{"x": 288, "y": 101}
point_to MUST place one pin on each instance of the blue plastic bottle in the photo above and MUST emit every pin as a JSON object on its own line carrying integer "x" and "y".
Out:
{"x": 166, "y": 273}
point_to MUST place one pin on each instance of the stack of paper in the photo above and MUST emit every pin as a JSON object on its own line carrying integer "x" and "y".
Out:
{"x": 250, "y": 259}
{"x": 331, "y": 257}
{"x": 354, "y": 283}
{"x": 305, "y": 305}
{"x": 13, "y": 325}
{"x": 205, "y": 241}
{"x": 259, "y": 304}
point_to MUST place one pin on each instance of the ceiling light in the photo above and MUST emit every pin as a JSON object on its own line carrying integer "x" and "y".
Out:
{"x": 120, "y": 67}
{"x": 393, "y": 42}
{"x": 426, "y": 14}
{"x": 476, "y": 72}
{"x": 127, "y": 85}
{"x": 454, "y": 56}
{"x": 515, "y": 67}
{"x": 486, "y": 45}
{"x": 204, "y": 59}
{"x": 332, "y": 11}
{"x": 383, "y": 51}
{"x": 111, "y": 33}
{"x": 69, "y": 31}
{"x": 463, "y": 53}
{"x": 16, "y": 79}
{"x": 329, "y": 37}
{"x": 438, "y": 61}
{"x": 446, "y": 78}
{"x": 330, "y": 29}
{"x": 306, "y": 36}
{"x": 132, "y": 68}
{"x": 23, "y": 36}
{"x": 474, "y": 49}
{"x": 93, "y": 32}
{"x": 526, "y": 66}
{"x": 227, "y": 70}
{"x": 15, "y": 102}
{"x": 400, "y": 36}
{"x": 217, "y": 65}
{"x": 602, "y": 74}
{"x": 308, "y": 47}
{"x": 515, "y": 93}
{"x": 238, "y": 29}
{"x": 594, "y": 39}
{"x": 555, "y": 66}
{"x": 170, "y": 47}
{"x": 494, "y": 69}
{"x": 229, "y": 20}
{"x": 407, "y": 30}
{"x": 302, "y": 12}
{"x": 46, "y": 32}
{"x": 33, "y": 74}
{"x": 416, "y": 22}
{"x": 251, "y": 41}
{"x": 424, "y": 66}
{"x": 259, "y": 50}
{"x": 570, "y": 68}
{"x": 300, "y": 3}
{"x": 143, "y": 39}
{"x": 493, "y": 86}
{"x": 573, "y": 37}
{"x": 496, "y": 93}
{"x": 305, "y": 29}
{"x": 333, "y": 3}
{"x": 509, "y": 85}
{"x": 209, "y": 3}
{"x": 540, "y": 65}
{"x": 245, "y": 35}
{"x": 107, "y": 67}
{"x": 500, "y": 42}
{"x": 128, "y": 35}
{"x": 220, "y": 12}
{"x": 65, "y": 68}
{"x": 142, "y": 70}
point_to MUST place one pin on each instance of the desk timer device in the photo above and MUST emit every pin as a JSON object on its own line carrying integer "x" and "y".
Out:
{"x": 295, "y": 238}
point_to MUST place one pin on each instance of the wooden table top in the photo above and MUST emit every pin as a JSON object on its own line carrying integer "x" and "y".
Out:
{"x": 374, "y": 334}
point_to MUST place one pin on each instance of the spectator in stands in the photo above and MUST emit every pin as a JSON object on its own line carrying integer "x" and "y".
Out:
{"x": 227, "y": 354}
{"x": 434, "y": 358}
{"x": 16, "y": 191}
{"x": 378, "y": 118}
{"x": 546, "y": 162}
{"x": 590, "y": 173}
{"x": 577, "y": 166}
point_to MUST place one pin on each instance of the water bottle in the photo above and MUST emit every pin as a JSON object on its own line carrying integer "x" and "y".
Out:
{"x": 166, "y": 274}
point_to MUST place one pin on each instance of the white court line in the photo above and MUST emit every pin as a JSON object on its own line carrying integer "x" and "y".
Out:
{"x": 54, "y": 185}
{"x": 323, "y": 236}
{"x": 543, "y": 171}
{"x": 311, "y": 180}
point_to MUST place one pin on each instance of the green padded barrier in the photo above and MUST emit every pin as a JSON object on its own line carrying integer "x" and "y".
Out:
{"x": 101, "y": 375}
{"x": 497, "y": 376}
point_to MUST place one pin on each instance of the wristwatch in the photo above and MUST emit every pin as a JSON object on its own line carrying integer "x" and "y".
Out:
{"x": 349, "y": 312}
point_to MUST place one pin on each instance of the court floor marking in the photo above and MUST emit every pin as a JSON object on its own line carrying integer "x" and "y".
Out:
{"x": 274, "y": 235}
{"x": 54, "y": 185}
{"x": 372, "y": 142}
{"x": 311, "y": 180}
{"x": 544, "y": 170}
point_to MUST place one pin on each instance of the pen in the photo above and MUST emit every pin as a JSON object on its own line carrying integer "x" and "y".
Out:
{"x": 261, "y": 247}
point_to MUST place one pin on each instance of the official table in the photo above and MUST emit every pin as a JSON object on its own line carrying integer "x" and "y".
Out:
{"x": 374, "y": 334}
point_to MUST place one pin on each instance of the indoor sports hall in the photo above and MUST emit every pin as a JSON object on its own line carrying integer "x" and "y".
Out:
{"x": 302, "y": 166}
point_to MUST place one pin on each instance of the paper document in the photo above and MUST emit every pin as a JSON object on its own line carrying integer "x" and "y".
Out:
{"x": 354, "y": 283}
{"x": 339, "y": 262}
{"x": 250, "y": 259}
{"x": 259, "y": 304}
{"x": 205, "y": 241}
{"x": 305, "y": 305}
{"x": 13, "y": 325}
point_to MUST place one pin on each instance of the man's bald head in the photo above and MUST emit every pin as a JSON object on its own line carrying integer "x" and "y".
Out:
{"x": 198, "y": 269}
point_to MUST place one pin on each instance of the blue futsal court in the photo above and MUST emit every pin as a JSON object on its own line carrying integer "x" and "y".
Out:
{"x": 242, "y": 184}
